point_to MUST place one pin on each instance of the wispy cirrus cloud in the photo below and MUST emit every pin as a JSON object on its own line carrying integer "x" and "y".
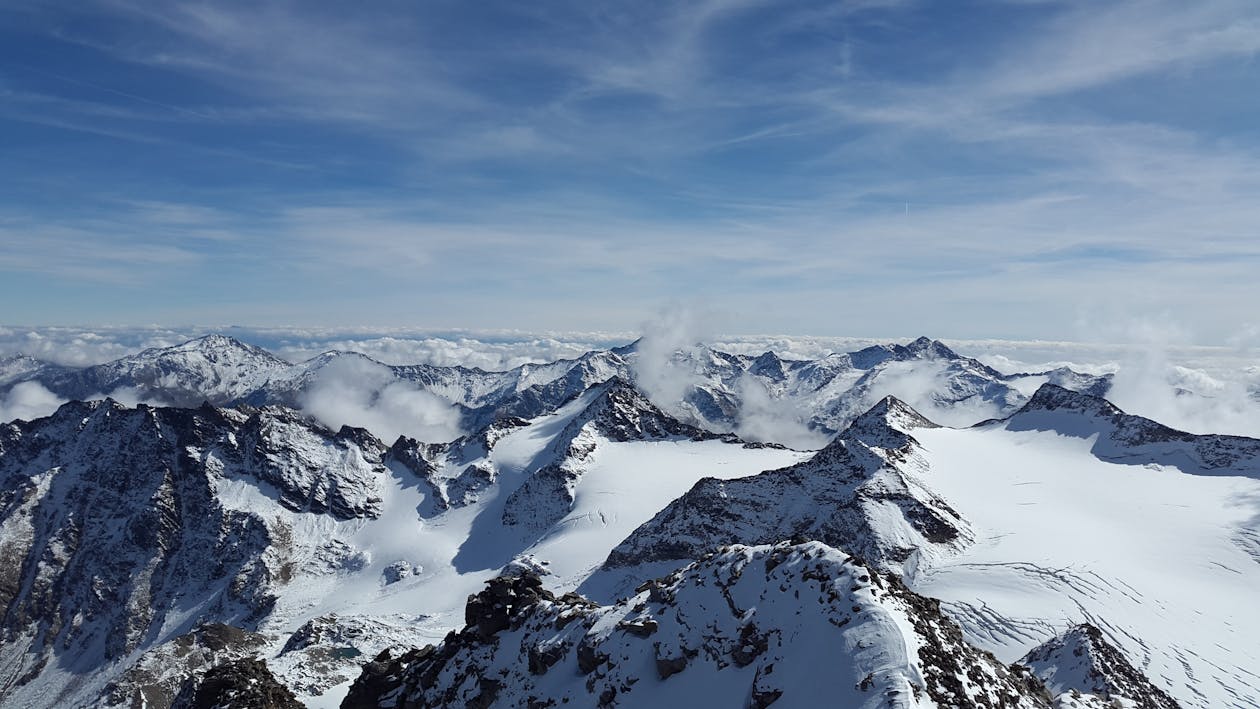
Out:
{"x": 574, "y": 164}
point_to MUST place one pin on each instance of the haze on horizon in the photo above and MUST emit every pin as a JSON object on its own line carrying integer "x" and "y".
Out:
{"x": 987, "y": 169}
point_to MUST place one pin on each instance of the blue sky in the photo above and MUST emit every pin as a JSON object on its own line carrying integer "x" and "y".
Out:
{"x": 996, "y": 168}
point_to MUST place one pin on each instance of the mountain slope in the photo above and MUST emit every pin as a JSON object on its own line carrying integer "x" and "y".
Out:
{"x": 1134, "y": 440}
{"x": 616, "y": 413}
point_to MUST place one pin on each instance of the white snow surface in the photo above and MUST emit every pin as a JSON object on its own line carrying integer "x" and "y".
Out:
{"x": 1165, "y": 563}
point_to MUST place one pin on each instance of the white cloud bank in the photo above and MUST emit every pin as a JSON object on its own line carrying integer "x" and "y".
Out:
{"x": 27, "y": 401}
{"x": 357, "y": 392}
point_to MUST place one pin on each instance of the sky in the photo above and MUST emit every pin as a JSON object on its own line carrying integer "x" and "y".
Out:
{"x": 971, "y": 169}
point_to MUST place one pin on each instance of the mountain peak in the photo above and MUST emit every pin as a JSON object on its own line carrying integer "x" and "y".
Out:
{"x": 898, "y": 413}
{"x": 1081, "y": 660}
{"x": 768, "y": 365}
{"x": 214, "y": 347}
{"x": 927, "y": 348}
{"x": 1052, "y": 397}
{"x": 628, "y": 348}
{"x": 214, "y": 341}
{"x": 887, "y": 424}
{"x": 622, "y": 413}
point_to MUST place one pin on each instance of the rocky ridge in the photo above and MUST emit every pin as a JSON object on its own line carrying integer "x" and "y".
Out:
{"x": 745, "y": 626}
{"x": 862, "y": 493}
{"x": 1135, "y": 440}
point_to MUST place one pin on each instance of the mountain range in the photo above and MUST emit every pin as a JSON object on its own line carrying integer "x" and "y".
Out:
{"x": 959, "y": 537}
{"x": 708, "y": 388}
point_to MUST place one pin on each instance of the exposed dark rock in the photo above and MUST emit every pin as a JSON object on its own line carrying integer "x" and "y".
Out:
{"x": 115, "y": 515}
{"x": 502, "y": 601}
{"x": 750, "y": 646}
{"x": 666, "y": 667}
{"x": 240, "y": 684}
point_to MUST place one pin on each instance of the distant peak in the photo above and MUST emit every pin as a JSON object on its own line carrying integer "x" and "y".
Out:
{"x": 1052, "y": 397}
{"x": 623, "y": 413}
{"x": 897, "y": 413}
{"x": 617, "y": 389}
{"x": 212, "y": 342}
{"x": 927, "y": 347}
{"x": 769, "y": 365}
{"x": 629, "y": 348}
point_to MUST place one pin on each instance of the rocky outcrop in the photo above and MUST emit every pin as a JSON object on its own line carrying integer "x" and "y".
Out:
{"x": 240, "y": 684}
{"x": 161, "y": 673}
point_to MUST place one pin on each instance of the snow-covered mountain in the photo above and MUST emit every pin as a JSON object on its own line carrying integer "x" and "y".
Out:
{"x": 787, "y": 625}
{"x": 827, "y": 394}
{"x": 1081, "y": 659}
{"x": 1068, "y": 511}
{"x": 212, "y": 368}
{"x": 131, "y": 531}
{"x": 865, "y": 492}
{"x": 158, "y": 555}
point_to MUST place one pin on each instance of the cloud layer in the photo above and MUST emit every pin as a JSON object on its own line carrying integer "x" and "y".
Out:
{"x": 26, "y": 401}
{"x": 356, "y": 392}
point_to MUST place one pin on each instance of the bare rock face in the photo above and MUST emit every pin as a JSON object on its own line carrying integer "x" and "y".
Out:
{"x": 800, "y": 625}
{"x": 162, "y": 672}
